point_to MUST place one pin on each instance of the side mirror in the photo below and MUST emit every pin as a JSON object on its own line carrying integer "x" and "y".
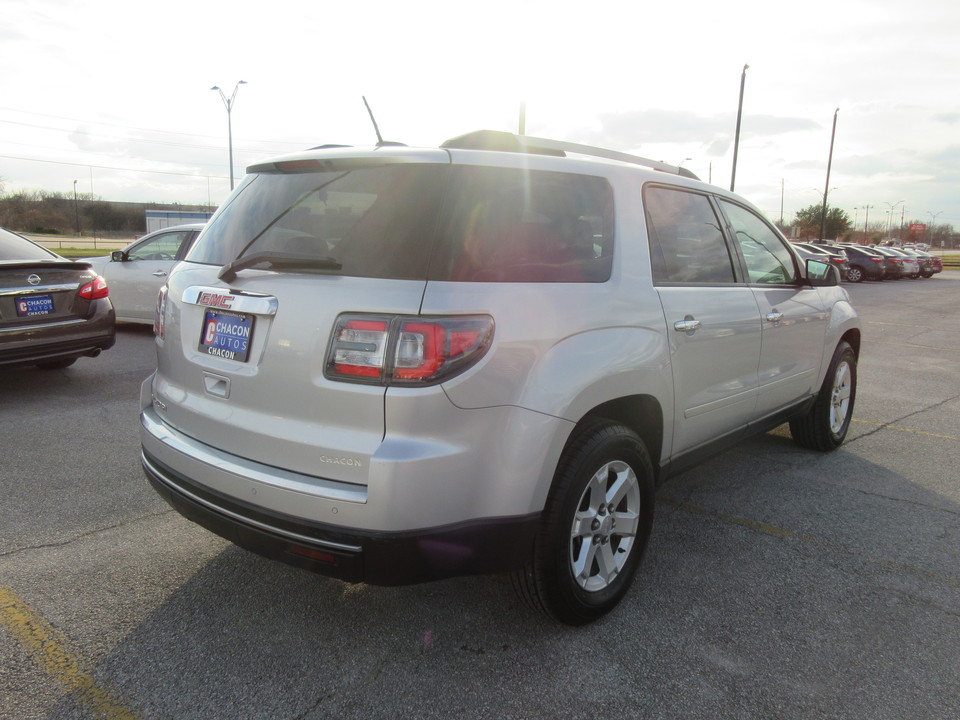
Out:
{"x": 820, "y": 274}
{"x": 118, "y": 256}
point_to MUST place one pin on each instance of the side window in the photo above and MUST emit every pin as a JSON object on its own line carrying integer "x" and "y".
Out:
{"x": 161, "y": 247}
{"x": 686, "y": 240}
{"x": 514, "y": 225}
{"x": 768, "y": 260}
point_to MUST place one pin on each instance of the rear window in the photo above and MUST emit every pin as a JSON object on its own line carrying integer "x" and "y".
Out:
{"x": 15, "y": 247}
{"x": 422, "y": 221}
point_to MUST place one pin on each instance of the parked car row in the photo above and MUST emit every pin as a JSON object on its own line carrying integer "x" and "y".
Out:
{"x": 858, "y": 262}
{"x": 54, "y": 310}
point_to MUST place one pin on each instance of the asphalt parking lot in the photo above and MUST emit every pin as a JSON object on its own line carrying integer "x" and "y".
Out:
{"x": 779, "y": 583}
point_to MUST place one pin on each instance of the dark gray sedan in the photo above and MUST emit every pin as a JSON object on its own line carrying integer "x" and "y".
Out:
{"x": 52, "y": 310}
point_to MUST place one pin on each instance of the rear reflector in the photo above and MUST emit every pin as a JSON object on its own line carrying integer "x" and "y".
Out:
{"x": 313, "y": 554}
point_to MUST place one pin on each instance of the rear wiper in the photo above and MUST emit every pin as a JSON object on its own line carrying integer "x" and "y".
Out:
{"x": 283, "y": 261}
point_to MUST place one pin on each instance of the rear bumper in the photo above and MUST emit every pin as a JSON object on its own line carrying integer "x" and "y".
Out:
{"x": 394, "y": 558}
{"x": 28, "y": 344}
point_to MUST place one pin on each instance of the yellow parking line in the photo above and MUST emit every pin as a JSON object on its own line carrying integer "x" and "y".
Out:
{"x": 906, "y": 430}
{"x": 43, "y": 644}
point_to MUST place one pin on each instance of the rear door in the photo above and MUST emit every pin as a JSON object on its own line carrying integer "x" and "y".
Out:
{"x": 712, "y": 319}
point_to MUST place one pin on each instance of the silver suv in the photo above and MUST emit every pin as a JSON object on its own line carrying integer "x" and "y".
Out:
{"x": 394, "y": 365}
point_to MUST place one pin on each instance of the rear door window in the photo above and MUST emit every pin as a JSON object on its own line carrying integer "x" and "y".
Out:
{"x": 687, "y": 244}
{"x": 516, "y": 225}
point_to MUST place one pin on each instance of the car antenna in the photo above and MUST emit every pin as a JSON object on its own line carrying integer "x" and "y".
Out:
{"x": 380, "y": 141}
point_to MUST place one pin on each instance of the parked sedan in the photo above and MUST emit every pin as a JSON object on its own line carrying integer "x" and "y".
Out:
{"x": 136, "y": 273}
{"x": 825, "y": 253}
{"x": 52, "y": 310}
{"x": 911, "y": 266}
{"x": 892, "y": 262}
{"x": 927, "y": 267}
{"x": 865, "y": 264}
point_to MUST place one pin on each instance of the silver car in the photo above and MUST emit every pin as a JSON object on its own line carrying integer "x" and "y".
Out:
{"x": 136, "y": 273}
{"x": 394, "y": 365}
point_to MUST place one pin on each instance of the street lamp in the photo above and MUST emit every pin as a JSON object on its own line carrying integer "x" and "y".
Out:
{"x": 76, "y": 207}
{"x": 680, "y": 164}
{"x": 228, "y": 103}
{"x": 890, "y": 216}
{"x": 933, "y": 220}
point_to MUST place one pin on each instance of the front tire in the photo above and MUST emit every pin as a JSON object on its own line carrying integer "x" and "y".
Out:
{"x": 825, "y": 425}
{"x": 596, "y": 526}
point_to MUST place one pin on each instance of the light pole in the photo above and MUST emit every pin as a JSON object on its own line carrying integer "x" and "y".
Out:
{"x": 736, "y": 140}
{"x": 76, "y": 207}
{"x": 933, "y": 220}
{"x": 228, "y": 103}
{"x": 826, "y": 185}
{"x": 866, "y": 219}
{"x": 892, "y": 206}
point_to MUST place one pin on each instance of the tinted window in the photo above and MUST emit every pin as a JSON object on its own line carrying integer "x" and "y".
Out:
{"x": 373, "y": 222}
{"x": 512, "y": 225}
{"x": 14, "y": 247}
{"x": 686, "y": 242}
{"x": 417, "y": 221}
{"x": 767, "y": 257}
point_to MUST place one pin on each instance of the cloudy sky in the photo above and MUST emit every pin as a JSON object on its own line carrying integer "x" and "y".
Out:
{"x": 116, "y": 95}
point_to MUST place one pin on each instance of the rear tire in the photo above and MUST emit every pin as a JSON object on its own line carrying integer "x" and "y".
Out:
{"x": 825, "y": 425}
{"x": 596, "y": 526}
{"x": 854, "y": 274}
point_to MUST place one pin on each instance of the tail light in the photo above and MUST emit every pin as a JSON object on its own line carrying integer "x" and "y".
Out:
{"x": 877, "y": 260}
{"x": 94, "y": 290}
{"x": 406, "y": 350}
{"x": 159, "y": 314}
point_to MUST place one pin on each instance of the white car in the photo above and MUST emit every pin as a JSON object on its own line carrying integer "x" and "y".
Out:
{"x": 136, "y": 273}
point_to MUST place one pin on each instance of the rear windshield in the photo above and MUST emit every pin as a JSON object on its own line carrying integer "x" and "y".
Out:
{"x": 422, "y": 221}
{"x": 15, "y": 247}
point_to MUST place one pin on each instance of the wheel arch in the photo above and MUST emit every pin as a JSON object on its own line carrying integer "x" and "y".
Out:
{"x": 643, "y": 414}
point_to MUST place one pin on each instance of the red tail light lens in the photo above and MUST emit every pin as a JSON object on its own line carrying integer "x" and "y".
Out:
{"x": 877, "y": 260}
{"x": 403, "y": 350}
{"x": 94, "y": 290}
{"x": 160, "y": 315}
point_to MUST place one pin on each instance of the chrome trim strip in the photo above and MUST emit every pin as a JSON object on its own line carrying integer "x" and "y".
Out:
{"x": 248, "y": 470}
{"x": 44, "y": 326}
{"x": 39, "y": 289}
{"x": 240, "y": 302}
{"x": 305, "y": 539}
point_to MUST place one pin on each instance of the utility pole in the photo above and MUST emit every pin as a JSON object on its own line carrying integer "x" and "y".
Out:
{"x": 826, "y": 187}
{"x": 736, "y": 140}
{"x": 866, "y": 219}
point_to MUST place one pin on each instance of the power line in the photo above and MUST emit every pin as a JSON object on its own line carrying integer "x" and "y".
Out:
{"x": 295, "y": 143}
{"x": 119, "y": 169}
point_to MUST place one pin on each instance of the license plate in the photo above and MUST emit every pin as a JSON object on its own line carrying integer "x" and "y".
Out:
{"x": 31, "y": 305}
{"x": 226, "y": 335}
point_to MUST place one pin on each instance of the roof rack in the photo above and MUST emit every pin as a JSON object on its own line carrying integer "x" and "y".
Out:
{"x": 508, "y": 142}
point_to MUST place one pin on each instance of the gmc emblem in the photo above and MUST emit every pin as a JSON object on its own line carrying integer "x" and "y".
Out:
{"x": 215, "y": 300}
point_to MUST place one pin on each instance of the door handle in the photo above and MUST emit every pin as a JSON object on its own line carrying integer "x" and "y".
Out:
{"x": 688, "y": 325}
{"x": 159, "y": 273}
{"x": 774, "y": 317}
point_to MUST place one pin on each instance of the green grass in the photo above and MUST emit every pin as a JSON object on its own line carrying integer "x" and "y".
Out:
{"x": 81, "y": 252}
